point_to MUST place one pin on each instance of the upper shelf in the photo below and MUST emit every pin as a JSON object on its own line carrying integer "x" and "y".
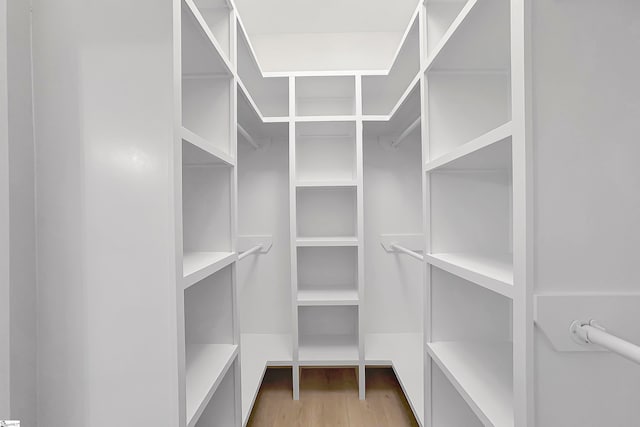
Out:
{"x": 202, "y": 55}
{"x": 269, "y": 95}
{"x": 198, "y": 151}
{"x": 477, "y": 39}
{"x": 489, "y": 151}
{"x": 380, "y": 94}
{"x": 325, "y": 96}
{"x": 402, "y": 119}
{"x": 261, "y": 131}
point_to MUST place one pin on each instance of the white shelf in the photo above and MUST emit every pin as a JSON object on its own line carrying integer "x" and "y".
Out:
{"x": 212, "y": 154}
{"x": 309, "y": 297}
{"x": 483, "y": 375}
{"x": 328, "y": 350}
{"x": 326, "y": 241}
{"x": 206, "y": 366}
{"x": 453, "y": 28}
{"x": 256, "y": 109}
{"x": 326, "y": 184}
{"x": 494, "y": 272}
{"x": 405, "y": 353}
{"x": 484, "y": 152}
{"x": 221, "y": 61}
{"x": 198, "y": 265}
{"x": 349, "y": 118}
{"x": 258, "y": 352}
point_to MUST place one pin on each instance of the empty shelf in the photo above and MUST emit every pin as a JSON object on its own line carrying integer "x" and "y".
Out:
{"x": 207, "y": 365}
{"x": 326, "y": 241}
{"x": 203, "y": 152}
{"x": 484, "y": 152}
{"x": 328, "y": 297}
{"x": 483, "y": 375}
{"x": 494, "y": 272}
{"x": 326, "y": 184}
{"x": 405, "y": 353}
{"x": 258, "y": 352}
{"x": 325, "y": 350}
{"x": 198, "y": 265}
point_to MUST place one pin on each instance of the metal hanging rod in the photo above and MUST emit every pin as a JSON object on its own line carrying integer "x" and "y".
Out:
{"x": 406, "y": 132}
{"x": 249, "y": 252}
{"x": 592, "y": 333}
{"x": 409, "y": 252}
{"x": 248, "y": 137}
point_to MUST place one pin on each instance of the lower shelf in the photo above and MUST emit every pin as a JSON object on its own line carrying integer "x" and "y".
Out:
{"x": 206, "y": 366}
{"x": 328, "y": 297}
{"x": 405, "y": 353}
{"x": 258, "y": 352}
{"x": 328, "y": 350}
{"x": 483, "y": 375}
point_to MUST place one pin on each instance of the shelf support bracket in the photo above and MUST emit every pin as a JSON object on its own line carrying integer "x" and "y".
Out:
{"x": 248, "y": 245}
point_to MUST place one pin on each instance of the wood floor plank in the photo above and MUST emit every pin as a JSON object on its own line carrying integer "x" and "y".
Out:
{"x": 329, "y": 398}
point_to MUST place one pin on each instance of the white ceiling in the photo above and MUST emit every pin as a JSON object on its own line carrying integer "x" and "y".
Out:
{"x": 325, "y": 16}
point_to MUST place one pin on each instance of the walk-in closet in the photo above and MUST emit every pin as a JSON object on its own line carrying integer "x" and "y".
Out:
{"x": 203, "y": 200}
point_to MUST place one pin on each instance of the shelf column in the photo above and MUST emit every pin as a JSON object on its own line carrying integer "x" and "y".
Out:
{"x": 292, "y": 237}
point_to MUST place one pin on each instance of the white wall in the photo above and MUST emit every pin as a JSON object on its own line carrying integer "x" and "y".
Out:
{"x": 5, "y": 358}
{"x": 264, "y": 281}
{"x": 325, "y": 51}
{"x": 392, "y": 205}
{"x": 22, "y": 215}
{"x": 586, "y": 95}
{"x": 104, "y": 123}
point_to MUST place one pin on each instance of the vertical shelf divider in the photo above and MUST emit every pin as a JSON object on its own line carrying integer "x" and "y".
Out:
{"x": 360, "y": 234}
{"x": 293, "y": 238}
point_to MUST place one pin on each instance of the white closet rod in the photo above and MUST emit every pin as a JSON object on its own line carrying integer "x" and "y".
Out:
{"x": 592, "y": 333}
{"x": 249, "y": 252}
{"x": 248, "y": 137}
{"x": 409, "y": 252}
{"x": 406, "y": 132}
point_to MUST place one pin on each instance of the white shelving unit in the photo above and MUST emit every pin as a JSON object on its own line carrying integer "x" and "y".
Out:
{"x": 326, "y": 211}
{"x": 476, "y": 215}
{"x": 448, "y": 93}
{"x": 208, "y": 334}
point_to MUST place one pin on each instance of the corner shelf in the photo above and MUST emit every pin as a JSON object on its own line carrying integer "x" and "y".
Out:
{"x": 258, "y": 352}
{"x": 206, "y": 366}
{"x": 198, "y": 265}
{"x": 211, "y": 155}
{"x": 326, "y": 184}
{"x": 328, "y": 297}
{"x": 199, "y": 35}
{"x": 487, "y": 151}
{"x": 326, "y": 241}
{"x": 482, "y": 373}
{"x": 494, "y": 272}
{"x": 328, "y": 350}
{"x": 317, "y": 97}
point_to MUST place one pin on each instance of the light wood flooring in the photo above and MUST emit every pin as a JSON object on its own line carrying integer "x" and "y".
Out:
{"x": 329, "y": 397}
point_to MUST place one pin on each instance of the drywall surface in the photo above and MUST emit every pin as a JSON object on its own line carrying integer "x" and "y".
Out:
{"x": 325, "y": 51}
{"x": 22, "y": 215}
{"x": 586, "y": 98}
{"x": 264, "y": 281}
{"x": 5, "y": 324}
{"x": 392, "y": 205}
{"x": 104, "y": 132}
